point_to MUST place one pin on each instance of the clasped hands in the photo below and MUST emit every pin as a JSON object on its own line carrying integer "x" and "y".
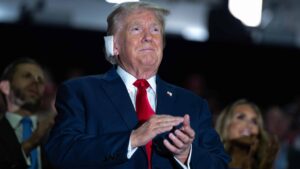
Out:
{"x": 181, "y": 139}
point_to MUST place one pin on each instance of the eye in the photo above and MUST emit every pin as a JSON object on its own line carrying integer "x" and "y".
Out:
{"x": 41, "y": 80}
{"x": 240, "y": 116}
{"x": 254, "y": 121}
{"x": 135, "y": 29}
{"x": 27, "y": 75}
{"x": 156, "y": 29}
{"x": 30, "y": 76}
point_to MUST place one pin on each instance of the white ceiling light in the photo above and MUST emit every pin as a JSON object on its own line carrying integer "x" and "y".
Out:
{"x": 191, "y": 33}
{"x": 8, "y": 13}
{"x": 248, "y": 11}
{"x": 120, "y": 1}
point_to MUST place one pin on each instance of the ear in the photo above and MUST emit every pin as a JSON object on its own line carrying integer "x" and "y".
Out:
{"x": 5, "y": 87}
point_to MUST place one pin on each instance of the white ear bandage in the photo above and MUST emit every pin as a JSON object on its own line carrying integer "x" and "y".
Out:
{"x": 109, "y": 45}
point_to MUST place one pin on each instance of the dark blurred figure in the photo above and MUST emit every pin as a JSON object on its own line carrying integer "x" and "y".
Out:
{"x": 293, "y": 110}
{"x": 278, "y": 122}
{"x": 73, "y": 72}
{"x": 224, "y": 27}
{"x": 23, "y": 84}
{"x": 284, "y": 123}
{"x": 197, "y": 84}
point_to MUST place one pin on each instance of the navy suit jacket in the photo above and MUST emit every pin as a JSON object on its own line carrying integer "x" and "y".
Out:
{"x": 96, "y": 116}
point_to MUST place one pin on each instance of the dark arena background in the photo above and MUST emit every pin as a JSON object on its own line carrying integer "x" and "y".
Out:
{"x": 266, "y": 74}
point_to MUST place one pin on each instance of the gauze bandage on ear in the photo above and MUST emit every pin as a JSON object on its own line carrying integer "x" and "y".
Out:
{"x": 109, "y": 49}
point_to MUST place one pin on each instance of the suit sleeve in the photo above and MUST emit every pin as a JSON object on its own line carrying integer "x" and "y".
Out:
{"x": 208, "y": 151}
{"x": 11, "y": 160}
{"x": 71, "y": 146}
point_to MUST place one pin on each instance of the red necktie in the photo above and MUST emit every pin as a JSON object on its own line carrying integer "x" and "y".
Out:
{"x": 143, "y": 110}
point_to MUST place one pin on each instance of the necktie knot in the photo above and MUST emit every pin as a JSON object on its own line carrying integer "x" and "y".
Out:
{"x": 141, "y": 84}
{"x": 26, "y": 121}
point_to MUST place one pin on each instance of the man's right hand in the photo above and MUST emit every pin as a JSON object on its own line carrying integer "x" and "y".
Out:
{"x": 156, "y": 125}
{"x": 42, "y": 130}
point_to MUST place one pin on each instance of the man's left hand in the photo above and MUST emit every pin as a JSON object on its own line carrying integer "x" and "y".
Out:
{"x": 182, "y": 140}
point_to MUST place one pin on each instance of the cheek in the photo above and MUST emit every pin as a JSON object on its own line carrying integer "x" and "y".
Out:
{"x": 130, "y": 47}
{"x": 159, "y": 50}
{"x": 41, "y": 89}
{"x": 233, "y": 130}
{"x": 19, "y": 85}
{"x": 255, "y": 130}
{"x": 159, "y": 43}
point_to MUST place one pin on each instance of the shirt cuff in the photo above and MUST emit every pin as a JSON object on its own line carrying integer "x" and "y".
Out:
{"x": 27, "y": 158}
{"x": 188, "y": 161}
{"x": 130, "y": 150}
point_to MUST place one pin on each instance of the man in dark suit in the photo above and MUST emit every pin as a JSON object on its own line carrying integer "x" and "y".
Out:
{"x": 99, "y": 123}
{"x": 23, "y": 84}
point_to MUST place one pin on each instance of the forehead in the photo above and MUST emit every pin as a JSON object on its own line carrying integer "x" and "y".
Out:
{"x": 245, "y": 108}
{"x": 28, "y": 67}
{"x": 142, "y": 15}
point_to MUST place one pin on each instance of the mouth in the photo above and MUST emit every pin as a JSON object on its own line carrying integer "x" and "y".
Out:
{"x": 33, "y": 93}
{"x": 245, "y": 132}
{"x": 147, "y": 50}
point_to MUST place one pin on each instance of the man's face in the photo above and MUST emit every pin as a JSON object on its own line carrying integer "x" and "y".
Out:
{"x": 27, "y": 84}
{"x": 139, "y": 42}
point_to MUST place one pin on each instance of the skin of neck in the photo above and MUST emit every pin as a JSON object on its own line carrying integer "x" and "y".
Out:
{"x": 23, "y": 112}
{"x": 140, "y": 73}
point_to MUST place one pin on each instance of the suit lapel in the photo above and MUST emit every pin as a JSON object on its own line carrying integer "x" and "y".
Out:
{"x": 165, "y": 97}
{"x": 8, "y": 134}
{"x": 117, "y": 92}
{"x": 11, "y": 142}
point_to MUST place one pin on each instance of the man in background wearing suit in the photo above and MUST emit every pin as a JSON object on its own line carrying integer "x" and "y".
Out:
{"x": 129, "y": 117}
{"x": 23, "y": 84}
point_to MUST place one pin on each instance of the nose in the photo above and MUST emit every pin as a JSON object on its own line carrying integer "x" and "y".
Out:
{"x": 147, "y": 36}
{"x": 250, "y": 125}
{"x": 37, "y": 79}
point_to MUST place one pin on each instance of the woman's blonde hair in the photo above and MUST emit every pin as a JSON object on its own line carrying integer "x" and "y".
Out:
{"x": 225, "y": 118}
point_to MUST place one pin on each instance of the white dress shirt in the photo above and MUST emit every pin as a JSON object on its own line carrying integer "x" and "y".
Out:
{"x": 128, "y": 79}
{"x": 15, "y": 122}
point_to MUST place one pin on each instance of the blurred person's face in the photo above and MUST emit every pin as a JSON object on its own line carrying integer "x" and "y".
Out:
{"x": 277, "y": 122}
{"x": 27, "y": 85}
{"x": 139, "y": 43}
{"x": 243, "y": 123}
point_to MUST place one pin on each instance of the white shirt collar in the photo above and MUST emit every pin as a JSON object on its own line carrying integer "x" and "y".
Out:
{"x": 128, "y": 79}
{"x": 15, "y": 120}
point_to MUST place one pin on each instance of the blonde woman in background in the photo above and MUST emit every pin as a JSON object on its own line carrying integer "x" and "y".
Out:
{"x": 240, "y": 126}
